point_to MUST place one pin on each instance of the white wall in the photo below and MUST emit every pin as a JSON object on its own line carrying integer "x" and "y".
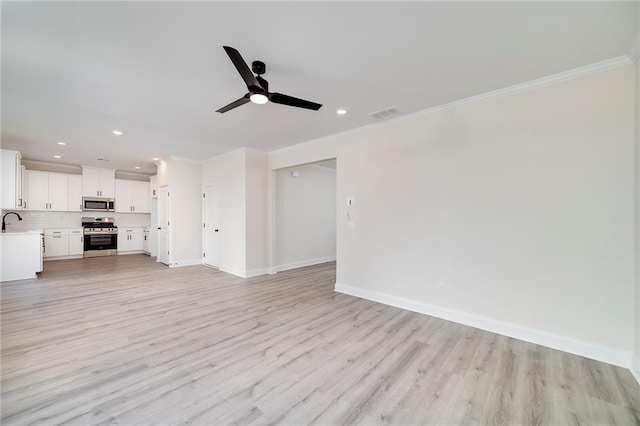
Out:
{"x": 229, "y": 172}
{"x": 636, "y": 367}
{"x": 185, "y": 211}
{"x": 521, "y": 205}
{"x": 305, "y": 216}
{"x": 257, "y": 260}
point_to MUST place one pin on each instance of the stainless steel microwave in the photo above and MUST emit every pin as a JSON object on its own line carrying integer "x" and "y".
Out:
{"x": 98, "y": 204}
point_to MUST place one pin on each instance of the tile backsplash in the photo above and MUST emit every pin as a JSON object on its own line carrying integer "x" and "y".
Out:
{"x": 37, "y": 219}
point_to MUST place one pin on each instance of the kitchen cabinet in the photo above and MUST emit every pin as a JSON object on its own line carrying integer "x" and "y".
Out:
{"x": 75, "y": 193}
{"x": 132, "y": 196}
{"x": 11, "y": 174}
{"x": 76, "y": 242}
{"x": 21, "y": 255}
{"x": 130, "y": 240}
{"x": 56, "y": 243}
{"x": 63, "y": 242}
{"x": 47, "y": 191}
{"x": 98, "y": 182}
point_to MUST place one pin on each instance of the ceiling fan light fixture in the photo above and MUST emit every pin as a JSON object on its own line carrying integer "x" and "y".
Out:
{"x": 258, "y": 98}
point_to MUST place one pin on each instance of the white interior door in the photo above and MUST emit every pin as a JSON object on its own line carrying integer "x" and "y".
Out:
{"x": 164, "y": 222}
{"x": 211, "y": 227}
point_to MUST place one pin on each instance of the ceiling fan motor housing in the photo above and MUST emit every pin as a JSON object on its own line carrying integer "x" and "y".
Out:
{"x": 258, "y": 67}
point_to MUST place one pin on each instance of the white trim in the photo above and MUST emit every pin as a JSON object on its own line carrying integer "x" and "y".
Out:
{"x": 182, "y": 263}
{"x": 303, "y": 263}
{"x": 232, "y": 271}
{"x": 636, "y": 371}
{"x": 319, "y": 167}
{"x": 255, "y": 272}
{"x": 539, "y": 337}
{"x": 72, "y": 256}
{"x": 598, "y": 67}
{"x": 244, "y": 273}
{"x": 184, "y": 159}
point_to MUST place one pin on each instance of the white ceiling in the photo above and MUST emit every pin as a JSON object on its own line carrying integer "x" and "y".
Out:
{"x": 74, "y": 71}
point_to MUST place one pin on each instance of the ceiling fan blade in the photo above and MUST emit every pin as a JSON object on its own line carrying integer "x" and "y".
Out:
{"x": 242, "y": 67}
{"x": 279, "y": 98}
{"x": 243, "y": 100}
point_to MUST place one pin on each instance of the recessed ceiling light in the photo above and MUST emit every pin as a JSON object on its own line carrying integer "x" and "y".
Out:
{"x": 138, "y": 167}
{"x": 56, "y": 156}
{"x": 61, "y": 143}
{"x": 341, "y": 111}
{"x": 117, "y": 132}
{"x": 155, "y": 159}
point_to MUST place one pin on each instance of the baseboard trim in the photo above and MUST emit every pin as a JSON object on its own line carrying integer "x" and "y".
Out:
{"x": 73, "y": 256}
{"x": 539, "y": 337}
{"x": 303, "y": 263}
{"x": 233, "y": 271}
{"x": 181, "y": 263}
{"x": 635, "y": 370}
{"x": 256, "y": 272}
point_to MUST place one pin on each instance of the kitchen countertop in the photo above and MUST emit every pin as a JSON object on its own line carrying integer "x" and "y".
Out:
{"x": 21, "y": 232}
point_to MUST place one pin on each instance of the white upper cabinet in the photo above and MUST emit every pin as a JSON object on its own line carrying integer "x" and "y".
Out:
{"x": 132, "y": 196}
{"x": 98, "y": 182}
{"x": 11, "y": 180}
{"x": 47, "y": 191}
{"x": 37, "y": 190}
{"x": 75, "y": 193}
{"x": 58, "y": 192}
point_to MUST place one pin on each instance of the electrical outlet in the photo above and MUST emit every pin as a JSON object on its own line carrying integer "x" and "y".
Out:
{"x": 440, "y": 287}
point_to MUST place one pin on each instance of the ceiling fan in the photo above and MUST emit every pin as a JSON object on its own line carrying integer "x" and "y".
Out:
{"x": 259, "y": 87}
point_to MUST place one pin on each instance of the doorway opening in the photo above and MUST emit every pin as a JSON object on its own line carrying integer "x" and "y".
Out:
{"x": 305, "y": 215}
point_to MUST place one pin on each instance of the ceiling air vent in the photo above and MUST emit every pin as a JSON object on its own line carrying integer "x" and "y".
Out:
{"x": 385, "y": 113}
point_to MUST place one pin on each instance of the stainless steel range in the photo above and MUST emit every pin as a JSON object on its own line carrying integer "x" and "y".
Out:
{"x": 100, "y": 236}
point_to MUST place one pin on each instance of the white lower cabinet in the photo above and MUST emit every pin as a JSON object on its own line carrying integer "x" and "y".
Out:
{"x": 63, "y": 242}
{"x": 56, "y": 243}
{"x": 130, "y": 240}
{"x": 76, "y": 242}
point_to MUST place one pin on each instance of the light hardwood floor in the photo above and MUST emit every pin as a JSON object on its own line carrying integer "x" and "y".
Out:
{"x": 125, "y": 340}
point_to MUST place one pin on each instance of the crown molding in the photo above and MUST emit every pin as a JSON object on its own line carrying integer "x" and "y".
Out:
{"x": 595, "y": 68}
{"x": 183, "y": 159}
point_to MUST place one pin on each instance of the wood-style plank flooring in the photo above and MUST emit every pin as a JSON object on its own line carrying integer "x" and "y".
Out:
{"x": 125, "y": 340}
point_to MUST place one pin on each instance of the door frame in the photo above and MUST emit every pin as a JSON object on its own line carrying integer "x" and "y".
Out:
{"x": 272, "y": 209}
{"x": 168, "y": 209}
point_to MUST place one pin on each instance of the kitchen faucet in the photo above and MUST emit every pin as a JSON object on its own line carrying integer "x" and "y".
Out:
{"x": 4, "y": 226}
